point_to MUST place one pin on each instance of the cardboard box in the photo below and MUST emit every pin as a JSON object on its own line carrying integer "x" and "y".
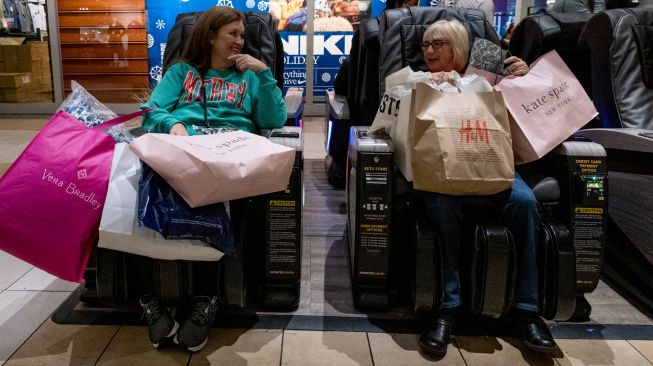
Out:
{"x": 22, "y": 94}
{"x": 11, "y": 66}
{"x": 15, "y": 80}
{"x": 45, "y": 96}
{"x": 37, "y": 68}
{"x": 11, "y": 41}
{"x": 10, "y": 53}
{"x": 42, "y": 84}
{"x": 33, "y": 51}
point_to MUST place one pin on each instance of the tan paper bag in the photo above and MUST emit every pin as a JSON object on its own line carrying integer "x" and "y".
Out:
{"x": 461, "y": 143}
{"x": 216, "y": 168}
{"x": 399, "y": 130}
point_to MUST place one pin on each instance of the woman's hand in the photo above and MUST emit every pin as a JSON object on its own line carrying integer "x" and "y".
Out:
{"x": 516, "y": 66}
{"x": 445, "y": 77}
{"x": 244, "y": 62}
{"x": 178, "y": 129}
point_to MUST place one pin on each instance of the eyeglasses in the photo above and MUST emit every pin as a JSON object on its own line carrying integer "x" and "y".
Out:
{"x": 436, "y": 44}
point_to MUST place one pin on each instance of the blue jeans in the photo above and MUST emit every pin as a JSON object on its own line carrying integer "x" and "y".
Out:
{"x": 519, "y": 214}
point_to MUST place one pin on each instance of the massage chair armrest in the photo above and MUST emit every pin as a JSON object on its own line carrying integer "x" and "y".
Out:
{"x": 289, "y": 136}
{"x": 547, "y": 191}
{"x": 558, "y": 175}
{"x": 294, "y": 106}
{"x": 337, "y": 107}
{"x": 628, "y": 139}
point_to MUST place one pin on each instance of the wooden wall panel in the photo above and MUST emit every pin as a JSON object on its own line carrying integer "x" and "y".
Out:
{"x": 71, "y": 66}
{"x": 104, "y": 47}
{"x": 101, "y": 35}
{"x": 112, "y": 95}
{"x": 116, "y": 5}
{"x": 112, "y": 81}
{"x": 86, "y": 19}
{"x": 103, "y": 51}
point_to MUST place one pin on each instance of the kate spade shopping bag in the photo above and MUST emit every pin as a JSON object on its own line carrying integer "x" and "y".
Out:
{"x": 51, "y": 198}
{"x": 216, "y": 168}
{"x": 546, "y": 106}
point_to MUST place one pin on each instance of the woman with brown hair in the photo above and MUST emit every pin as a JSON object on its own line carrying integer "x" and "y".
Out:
{"x": 237, "y": 89}
{"x": 214, "y": 85}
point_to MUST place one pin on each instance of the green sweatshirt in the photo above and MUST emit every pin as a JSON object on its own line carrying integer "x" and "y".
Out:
{"x": 243, "y": 100}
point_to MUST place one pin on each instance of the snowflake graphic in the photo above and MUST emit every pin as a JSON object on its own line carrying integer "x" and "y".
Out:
{"x": 262, "y": 5}
{"x": 150, "y": 41}
{"x": 155, "y": 73}
{"x": 228, "y": 3}
{"x": 160, "y": 24}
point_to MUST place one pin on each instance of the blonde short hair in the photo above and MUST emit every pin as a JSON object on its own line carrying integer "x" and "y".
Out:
{"x": 455, "y": 33}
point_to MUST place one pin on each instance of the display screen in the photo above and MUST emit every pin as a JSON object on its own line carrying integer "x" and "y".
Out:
{"x": 595, "y": 185}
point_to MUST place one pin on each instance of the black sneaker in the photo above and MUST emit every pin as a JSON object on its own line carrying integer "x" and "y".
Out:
{"x": 194, "y": 333}
{"x": 162, "y": 325}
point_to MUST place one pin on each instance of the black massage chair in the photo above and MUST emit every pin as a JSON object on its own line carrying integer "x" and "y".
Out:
{"x": 266, "y": 270}
{"x": 621, "y": 43}
{"x": 405, "y": 250}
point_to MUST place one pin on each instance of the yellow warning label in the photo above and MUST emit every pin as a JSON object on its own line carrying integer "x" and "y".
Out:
{"x": 282, "y": 203}
{"x": 589, "y": 210}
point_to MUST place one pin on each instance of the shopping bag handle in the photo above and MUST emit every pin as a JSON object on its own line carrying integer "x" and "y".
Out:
{"x": 121, "y": 119}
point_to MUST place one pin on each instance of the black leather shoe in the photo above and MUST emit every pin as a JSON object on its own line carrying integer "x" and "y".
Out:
{"x": 436, "y": 341}
{"x": 536, "y": 335}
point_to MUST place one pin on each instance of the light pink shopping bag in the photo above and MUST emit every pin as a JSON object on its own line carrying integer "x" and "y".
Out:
{"x": 207, "y": 169}
{"x": 547, "y": 105}
{"x": 51, "y": 198}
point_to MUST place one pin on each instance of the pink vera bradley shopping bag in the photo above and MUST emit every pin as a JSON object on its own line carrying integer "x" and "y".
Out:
{"x": 51, "y": 198}
{"x": 546, "y": 106}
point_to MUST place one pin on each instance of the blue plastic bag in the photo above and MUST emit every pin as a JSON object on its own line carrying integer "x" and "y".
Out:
{"x": 162, "y": 209}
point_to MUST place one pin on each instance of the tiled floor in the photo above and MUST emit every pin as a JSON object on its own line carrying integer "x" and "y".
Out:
{"x": 28, "y": 296}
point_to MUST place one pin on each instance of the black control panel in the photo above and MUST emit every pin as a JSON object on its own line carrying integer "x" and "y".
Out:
{"x": 590, "y": 189}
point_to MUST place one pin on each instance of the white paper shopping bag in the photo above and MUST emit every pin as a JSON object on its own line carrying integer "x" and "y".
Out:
{"x": 119, "y": 228}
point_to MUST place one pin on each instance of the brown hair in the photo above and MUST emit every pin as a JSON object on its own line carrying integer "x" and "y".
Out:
{"x": 198, "y": 49}
{"x": 455, "y": 33}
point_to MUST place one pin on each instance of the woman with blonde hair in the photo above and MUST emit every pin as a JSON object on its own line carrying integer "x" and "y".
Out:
{"x": 445, "y": 48}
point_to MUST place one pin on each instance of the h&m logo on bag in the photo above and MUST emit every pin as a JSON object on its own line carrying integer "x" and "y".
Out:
{"x": 71, "y": 188}
{"x": 553, "y": 95}
{"x": 476, "y": 133}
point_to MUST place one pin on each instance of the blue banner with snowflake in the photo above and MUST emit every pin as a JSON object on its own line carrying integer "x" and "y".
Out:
{"x": 338, "y": 19}
{"x": 330, "y": 49}
{"x": 161, "y": 17}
